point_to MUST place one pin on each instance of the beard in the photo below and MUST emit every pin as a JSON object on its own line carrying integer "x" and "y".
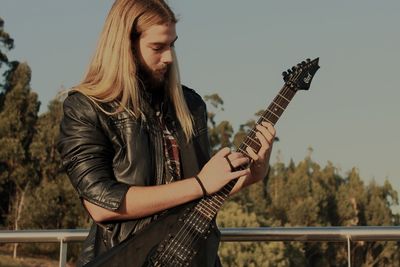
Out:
{"x": 154, "y": 78}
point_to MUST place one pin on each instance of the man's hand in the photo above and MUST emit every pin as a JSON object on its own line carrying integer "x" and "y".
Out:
{"x": 260, "y": 161}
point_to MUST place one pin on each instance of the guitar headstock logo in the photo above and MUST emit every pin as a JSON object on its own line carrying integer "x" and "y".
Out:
{"x": 299, "y": 77}
{"x": 308, "y": 78}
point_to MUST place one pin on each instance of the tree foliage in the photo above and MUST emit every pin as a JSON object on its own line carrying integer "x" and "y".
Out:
{"x": 35, "y": 192}
{"x": 17, "y": 121}
{"x": 306, "y": 194}
{"x": 6, "y": 42}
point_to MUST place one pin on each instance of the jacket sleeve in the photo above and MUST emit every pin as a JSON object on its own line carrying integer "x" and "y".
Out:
{"x": 87, "y": 154}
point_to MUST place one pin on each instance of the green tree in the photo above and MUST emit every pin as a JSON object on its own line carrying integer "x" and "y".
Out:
{"x": 6, "y": 44}
{"x": 304, "y": 194}
{"x": 368, "y": 205}
{"x": 221, "y": 133}
{"x": 17, "y": 121}
{"x": 53, "y": 204}
{"x": 43, "y": 147}
{"x": 65, "y": 201}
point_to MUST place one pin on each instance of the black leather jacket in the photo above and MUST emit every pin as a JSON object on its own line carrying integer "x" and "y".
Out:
{"x": 105, "y": 154}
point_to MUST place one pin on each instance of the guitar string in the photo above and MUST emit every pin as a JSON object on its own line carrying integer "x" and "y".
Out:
{"x": 251, "y": 134}
{"x": 181, "y": 238}
{"x": 176, "y": 242}
{"x": 284, "y": 90}
{"x": 195, "y": 233}
{"x": 209, "y": 205}
{"x": 206, "y": 221}
{"x": 185, "y": 233}
{"x": 186, "y": 227}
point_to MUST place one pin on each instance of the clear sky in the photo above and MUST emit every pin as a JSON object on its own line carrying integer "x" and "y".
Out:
{"x": 239, "y": 49}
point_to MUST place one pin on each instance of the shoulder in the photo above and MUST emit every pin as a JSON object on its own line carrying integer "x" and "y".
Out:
{"x": 77, "y": 99}
{"x": 193, "y": 99}
{"x": 80, "y": 107}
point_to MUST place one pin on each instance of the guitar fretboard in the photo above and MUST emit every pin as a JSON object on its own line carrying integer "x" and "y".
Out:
{"x": 209, "y": 206}
{"x": 198, "y": 220}
{"x": 203, "y": 213}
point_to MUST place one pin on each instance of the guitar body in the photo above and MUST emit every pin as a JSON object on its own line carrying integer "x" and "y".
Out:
{"x": 151, "y": 245}
{"x": 182, "y": 236}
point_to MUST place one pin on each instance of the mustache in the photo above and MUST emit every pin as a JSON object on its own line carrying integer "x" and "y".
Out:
{"x": 164, "y": 67}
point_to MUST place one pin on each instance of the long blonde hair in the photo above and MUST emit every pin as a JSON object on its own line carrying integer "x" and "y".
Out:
{"x": 111, "y": 76}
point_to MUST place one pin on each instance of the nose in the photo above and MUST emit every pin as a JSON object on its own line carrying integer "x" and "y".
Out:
{"x": 167, "y": 56}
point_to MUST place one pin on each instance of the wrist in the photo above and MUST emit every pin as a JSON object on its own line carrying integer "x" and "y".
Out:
{"x": 201, "y": 185}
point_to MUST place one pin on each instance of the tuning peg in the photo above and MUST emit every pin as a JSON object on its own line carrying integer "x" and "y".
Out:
{"x": 293, "y": 68}
{"x": 284, "y": 74}
{"x": 303, "y": 63}
{"x": 308, "y": 60}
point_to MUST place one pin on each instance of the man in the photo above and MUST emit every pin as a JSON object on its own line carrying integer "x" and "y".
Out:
{"x": 134, "y": 141}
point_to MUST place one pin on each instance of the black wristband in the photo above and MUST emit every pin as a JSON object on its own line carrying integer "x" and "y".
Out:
{"x": 201, "y": 185}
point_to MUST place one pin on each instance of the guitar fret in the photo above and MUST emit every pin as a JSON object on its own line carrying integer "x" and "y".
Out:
{"x": 207, "y": 207}
{"x": 226, "y": 191}
{"x": 243, "y": 152}
{"x": 251, "y": 136}
{"x": 271, "y": 118}
{"x": 253, "y": 143}
{"x": 284, "y": 97}
{"x": 203, "y": 212}
{"x": 217, "y": 204}
{"x": 221, "y": 199}
{"x": 270, "y": 112}
{"x": 274, "y": 108}
{"x": 278, "y": 105}
{"x": 213, "y": 204}
{"x": 222, "y": 194}
{"x": 267, "y": 120}
{"x": 254, "y": 140}
{"x": 218, "y": 201}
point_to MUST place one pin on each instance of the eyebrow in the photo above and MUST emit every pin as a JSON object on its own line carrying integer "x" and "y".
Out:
{"x": 161, "y": 43}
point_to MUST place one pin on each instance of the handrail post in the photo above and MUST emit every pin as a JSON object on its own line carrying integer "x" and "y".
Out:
{"x": 63, "y": 253}
{"x": 348, "y": 251}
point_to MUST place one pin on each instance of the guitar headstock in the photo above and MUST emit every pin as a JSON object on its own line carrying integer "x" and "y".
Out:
{"x": 299, "y": 77}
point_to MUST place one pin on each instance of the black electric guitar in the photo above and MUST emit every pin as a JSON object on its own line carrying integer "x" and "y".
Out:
{"x": 175, "y": 238}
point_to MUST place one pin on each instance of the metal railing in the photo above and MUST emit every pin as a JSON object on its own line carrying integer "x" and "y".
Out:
{"x": 301, "y": 234}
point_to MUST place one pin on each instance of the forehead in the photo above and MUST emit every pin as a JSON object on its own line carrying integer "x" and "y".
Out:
{"x": 159, "y": 33}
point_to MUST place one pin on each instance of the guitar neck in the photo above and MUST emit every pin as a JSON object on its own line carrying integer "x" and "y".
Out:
{"x": 209, "y": 206}
{"x": 198, "y": 220}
